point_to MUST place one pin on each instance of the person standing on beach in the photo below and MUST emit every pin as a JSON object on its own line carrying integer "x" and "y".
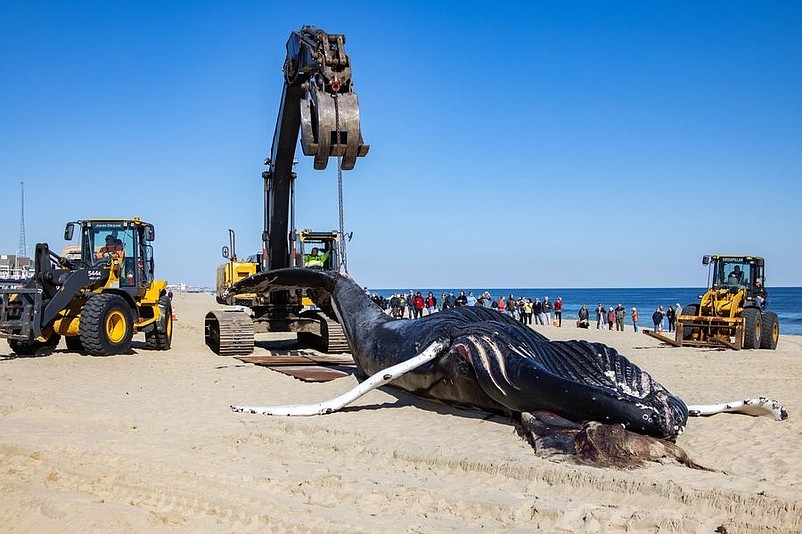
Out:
{"x": 584, "y": 317}
{"x": 410, "y": 304}
{"x": 620, "y": 315}
{"x": 418, "y": 304}
{"x": 537, "y": 311}
{"x": 462, "y": 300}
{"x": 634, "y": 316}
{"x": 657, "y": 319}
{"x": 471, "y": 299}
{"x": 600, "y": 314}
{"x": 431, "y": 303}
{"x": 449, "y": 301}
{"x": 512, "y": 308}
{"x": 671, "y": 316}
{"x": 395, "y": 306}
{"x": 558, "y": 311}
{"x": 528, "y": 311}
{"x": 610, "y": 318}
{"x": 547, "y": 309}
{"x": 501, "y": 306}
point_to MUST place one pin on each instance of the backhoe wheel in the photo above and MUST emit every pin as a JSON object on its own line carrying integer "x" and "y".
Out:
{"x": 161, "y": 338}
{"x": 34, "y": 348}
{"x": 769, "y": 331}
{"x": 752, "y": 327}
{"x": 106, "y": 326}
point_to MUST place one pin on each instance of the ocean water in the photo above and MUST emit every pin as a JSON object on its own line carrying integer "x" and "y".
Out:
{"x": 786, "y": 302}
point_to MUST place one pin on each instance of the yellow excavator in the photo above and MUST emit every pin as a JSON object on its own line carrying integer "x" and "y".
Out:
{"x": 318, "y": 103}
{"x": 733, "y": 312}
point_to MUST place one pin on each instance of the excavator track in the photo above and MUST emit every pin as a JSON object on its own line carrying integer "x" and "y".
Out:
{"x": 229, "y": 332}
{"x": 334, "y": 340}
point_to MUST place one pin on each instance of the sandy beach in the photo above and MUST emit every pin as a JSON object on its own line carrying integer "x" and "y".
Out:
{"x": 146, "y": 442}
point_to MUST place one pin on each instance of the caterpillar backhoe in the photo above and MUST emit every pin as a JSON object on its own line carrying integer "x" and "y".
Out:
{"x": 97, "y": 298}
{"x": 318, "y": 103}
{"x": 732, "y": 312}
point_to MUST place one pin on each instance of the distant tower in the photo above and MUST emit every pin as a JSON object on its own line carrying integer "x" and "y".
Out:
{"x": 23, "y": 247}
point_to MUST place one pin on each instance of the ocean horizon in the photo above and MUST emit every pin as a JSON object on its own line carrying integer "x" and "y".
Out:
{"x": 786, "y": 302}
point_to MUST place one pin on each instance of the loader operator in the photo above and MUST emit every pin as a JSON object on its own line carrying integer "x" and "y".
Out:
{"x": 736, "y": 276}
{"x": 315, "y": 260}
{"x": 112, "y": 249}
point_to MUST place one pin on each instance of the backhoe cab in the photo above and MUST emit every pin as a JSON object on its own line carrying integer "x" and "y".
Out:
{"x": 97, "y": 298}
{"x": 732, "y": 313}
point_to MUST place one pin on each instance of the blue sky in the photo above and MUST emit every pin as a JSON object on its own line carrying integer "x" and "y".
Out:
{"x": 513, "y": 144}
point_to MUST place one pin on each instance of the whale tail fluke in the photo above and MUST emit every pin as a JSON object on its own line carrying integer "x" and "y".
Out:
{"x": 279, "y": 279}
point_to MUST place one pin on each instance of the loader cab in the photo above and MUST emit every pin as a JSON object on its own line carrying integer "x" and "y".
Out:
{"x": 123, "y": 245}
{"x": 736, "y": 273}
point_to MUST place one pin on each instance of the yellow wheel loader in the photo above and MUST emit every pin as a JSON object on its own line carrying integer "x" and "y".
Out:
{"x": 732, "y": 313}
{"x": 97, "y": 298}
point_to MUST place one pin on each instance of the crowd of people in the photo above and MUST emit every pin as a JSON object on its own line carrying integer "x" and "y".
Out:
{"x": 524, "y": 309}
{"x": 413, "y": 305}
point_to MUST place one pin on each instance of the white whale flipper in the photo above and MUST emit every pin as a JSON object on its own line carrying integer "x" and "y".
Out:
{"x": 756, "y": 406}
{"x": 379, "y": 379}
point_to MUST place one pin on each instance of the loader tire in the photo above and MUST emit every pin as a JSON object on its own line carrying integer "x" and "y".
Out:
{"x": 752, "y": 328}
{"x": 162, "y": 338}
{"x": 769, "y": 331}
{"x": 34, "y": 348}
{"x": 690, "y": 309}
{"x": 106, "y": 326}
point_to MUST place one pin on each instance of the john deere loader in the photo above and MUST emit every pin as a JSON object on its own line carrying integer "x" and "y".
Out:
{"x": 97, "y": 299}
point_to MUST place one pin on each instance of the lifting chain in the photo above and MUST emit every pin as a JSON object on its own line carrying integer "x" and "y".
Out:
{"x": 343, "y": 257}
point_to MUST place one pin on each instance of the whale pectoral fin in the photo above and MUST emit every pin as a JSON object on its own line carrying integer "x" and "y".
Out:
{"x": 756, "y": 406}
{"x": 384, "y": 376}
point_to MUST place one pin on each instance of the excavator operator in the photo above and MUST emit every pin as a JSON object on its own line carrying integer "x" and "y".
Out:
{"x": 315, "y": 260}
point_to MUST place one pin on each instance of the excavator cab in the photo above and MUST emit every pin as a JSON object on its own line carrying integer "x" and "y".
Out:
{"x": 318, "y": 250}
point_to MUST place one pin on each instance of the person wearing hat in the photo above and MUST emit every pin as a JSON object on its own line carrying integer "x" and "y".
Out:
{"x": 112, "y": 249}
{"x": 316, "y": 260}
{"x": 634, "y": 316}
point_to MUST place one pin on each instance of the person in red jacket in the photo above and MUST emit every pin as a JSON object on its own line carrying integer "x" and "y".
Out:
{"x": 418, "y": 304}
{"x": 558, "y": 311}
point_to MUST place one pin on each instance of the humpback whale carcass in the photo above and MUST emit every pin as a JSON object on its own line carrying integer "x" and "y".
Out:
{"x": 477, "y": 357}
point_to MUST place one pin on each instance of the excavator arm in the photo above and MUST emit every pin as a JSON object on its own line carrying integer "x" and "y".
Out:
{"x": 319, "y": 104}
{"x": 318, "y": 101}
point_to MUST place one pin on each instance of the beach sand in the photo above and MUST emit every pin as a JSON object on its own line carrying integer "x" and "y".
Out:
{"x": 146, "y": 442}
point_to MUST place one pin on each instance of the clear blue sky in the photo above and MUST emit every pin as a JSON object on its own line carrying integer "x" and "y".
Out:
{"x": 525, "y": 144}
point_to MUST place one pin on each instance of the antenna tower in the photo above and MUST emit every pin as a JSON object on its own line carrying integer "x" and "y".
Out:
{"x": 23, "y": 247}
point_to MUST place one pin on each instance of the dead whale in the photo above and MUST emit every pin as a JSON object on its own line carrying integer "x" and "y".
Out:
{"x": 488, "y": 360}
